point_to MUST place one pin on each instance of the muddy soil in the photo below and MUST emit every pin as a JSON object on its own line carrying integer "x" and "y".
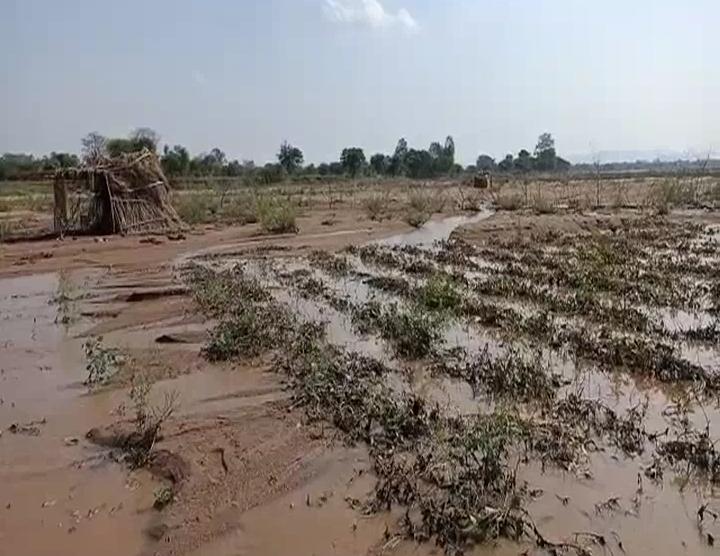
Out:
{"x": 62, "y": 492}
{"x": 256, "y": 478}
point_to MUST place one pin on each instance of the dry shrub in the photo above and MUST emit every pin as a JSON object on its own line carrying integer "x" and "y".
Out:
{"x": 542, "y": 205}
{"x": 713, "y": 193}
{"x": 416, "y": 218}
{"x": 39, "y": 203}
{"x": 579, "y": 203}
{"x": 197, "y": 207}
{"x": 674, "y": 192}
{"x": 422, "y": 201}
{"x": 469, "y": 200}
{"x": 376, "y": 206}
{"x": 276, "y": 216}
{"x": 509, "y": 201}
{"x": 241, "y": 208}
{"x": 5, "y": 205}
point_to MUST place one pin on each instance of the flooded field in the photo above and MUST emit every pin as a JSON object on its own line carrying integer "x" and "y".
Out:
{"x": 467, "y": 387}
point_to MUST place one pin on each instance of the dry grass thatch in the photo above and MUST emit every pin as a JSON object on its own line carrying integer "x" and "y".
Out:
{"x": 125, "y": 194}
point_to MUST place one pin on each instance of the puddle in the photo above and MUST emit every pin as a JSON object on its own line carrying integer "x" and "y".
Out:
{"x": 59, "y": 495}
{"x": 435, "y": 230}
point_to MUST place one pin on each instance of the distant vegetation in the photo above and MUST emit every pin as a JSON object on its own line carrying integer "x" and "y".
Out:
{"x": 437, "y": 160}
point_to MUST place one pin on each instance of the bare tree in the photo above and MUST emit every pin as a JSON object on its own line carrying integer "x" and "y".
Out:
{"x": 94, "y": 147}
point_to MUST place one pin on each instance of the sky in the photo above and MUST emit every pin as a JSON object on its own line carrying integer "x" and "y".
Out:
{"x": 245, "y": 75}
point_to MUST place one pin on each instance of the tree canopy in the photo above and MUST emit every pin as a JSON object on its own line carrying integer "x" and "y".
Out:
{"x": 353, "y": 160}
{"x": 438, "y": 159}
{"x": 289, "y": 157}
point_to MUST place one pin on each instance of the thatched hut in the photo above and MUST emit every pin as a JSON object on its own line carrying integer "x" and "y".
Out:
{"x": 482, "y": 180}
{"x": 118, "y": 195}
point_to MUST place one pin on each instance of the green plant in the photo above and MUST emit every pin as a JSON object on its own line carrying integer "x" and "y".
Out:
{"x": 147, "y": 421}
{"x": 241, "y": 208}
{"x": 102, "y": 362}
{"x": 411, "y": 331}
{"x": 196, "y": 207}
{"x": 276, "y": 216}
{"x": 163, "y": 496}
{"x": 439, "y": 294}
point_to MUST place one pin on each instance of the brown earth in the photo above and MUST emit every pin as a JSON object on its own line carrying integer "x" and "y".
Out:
{"x": 255, "y": 479}
{"x": 244, "y": 452}
{"x": 525, "y": 224}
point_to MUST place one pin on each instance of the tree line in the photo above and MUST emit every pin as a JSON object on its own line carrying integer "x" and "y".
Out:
{"x": 435, "y": 161}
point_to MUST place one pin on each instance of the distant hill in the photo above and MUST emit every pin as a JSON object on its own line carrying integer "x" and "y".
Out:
{"x": 604, "y": 157}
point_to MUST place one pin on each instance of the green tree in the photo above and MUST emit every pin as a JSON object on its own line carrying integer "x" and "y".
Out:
{"x": 144, "y": 138}
{"x": 398, "y": 166}
{"x": 507, "y": 164}
{"x": 353, "y": 160}
{"x": 419, "y": 164}
{"x": 545, "y": 143}
{"x": 380, "y": 164}
{"x": 176, "y": 161}
{"x": 61, "y": 160}
{"x": 437, "y": 155}
{"x": 234, "y": 169}
{"x": 448, "y": 155}
{"x": 272, "y": 173}
{"x": 118, "y": 145}
{"x": 289, "y": 157}
{"x": 524, "y": 161}
{"x": 485, "y": 163}
{"x": 436, "y": 151}
{"x": 545, "y": 153}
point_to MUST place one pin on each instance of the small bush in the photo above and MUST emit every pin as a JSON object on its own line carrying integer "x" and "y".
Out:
{"x": 102, "y": 362}
{"x": 416, "y": 218}
{"x": 439, "y": 294}
{"x": 542, "y": 205}
{"x": 509, "y": 202}
{"x": 241, "y": 209}
{"x": 421, "y": 201}
{"x": 276, "y": 216}
{"x": 469, "y": 200}
{"x": 375, "y": 206}
{"x": 248, "y": 331}
{"x": 5, "y": 205}
{"x": 196, "y": 207}
{"x": 411, "y": 332}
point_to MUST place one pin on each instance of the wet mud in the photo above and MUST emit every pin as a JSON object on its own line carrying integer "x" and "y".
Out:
{"x": 255, "y": 476}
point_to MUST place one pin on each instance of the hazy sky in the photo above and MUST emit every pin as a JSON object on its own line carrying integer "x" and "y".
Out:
{"x": 244, "y": 75}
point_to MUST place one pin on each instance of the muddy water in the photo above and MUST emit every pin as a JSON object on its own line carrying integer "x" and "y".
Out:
{"x": 63, "y": 498}
{"x": 645, "y": 518}
{"x": 435, "y": 230}
{"x": 59, "y": 495}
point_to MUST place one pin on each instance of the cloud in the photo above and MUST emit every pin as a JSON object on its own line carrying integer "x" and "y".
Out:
{"x": 370, "y": 12}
